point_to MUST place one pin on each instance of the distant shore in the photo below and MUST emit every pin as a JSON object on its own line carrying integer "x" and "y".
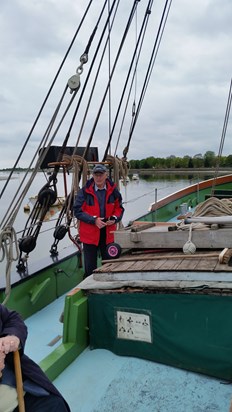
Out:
{"x": 187, "y": 171}
{"x": 142, "y": 172}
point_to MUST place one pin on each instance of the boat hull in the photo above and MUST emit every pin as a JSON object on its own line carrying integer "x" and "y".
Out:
{"x": 42, "y": 283}
{"x": 167, "y": 208}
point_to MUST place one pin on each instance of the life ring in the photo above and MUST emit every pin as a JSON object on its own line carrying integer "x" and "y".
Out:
{"x": 113, "y": 250}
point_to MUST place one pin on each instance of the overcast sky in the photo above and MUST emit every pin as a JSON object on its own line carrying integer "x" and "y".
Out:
{"x": 184, "y": 109}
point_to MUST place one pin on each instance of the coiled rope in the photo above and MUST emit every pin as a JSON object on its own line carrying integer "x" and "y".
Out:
{"x": 120, "y": 168}
{"x": 9, "y": 250}
{"x": 213, "y": 207}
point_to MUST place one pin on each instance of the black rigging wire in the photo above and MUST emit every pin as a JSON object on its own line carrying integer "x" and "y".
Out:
{"x": 85, "y": 84}
{"x": 61, "y": 230}
{"x": 78, "y": 105}
{"x": 134, "y": 57}
{"x": 150, "y": 66}
{"x": 109, "y": 60}
{"x": 227, "y": 114}
{"x": 97, "y": 73}
{"x": 46, "y": 98}
{"x": 224, "y": 129}
{"x": 111, "y": 75}
{"x": 14, "y": 203}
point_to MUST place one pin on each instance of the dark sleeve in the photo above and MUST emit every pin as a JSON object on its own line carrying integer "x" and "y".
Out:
{"x": 118, "y": 208}
{"x": 13, "y": 324}
{"x": 78, "y": 209}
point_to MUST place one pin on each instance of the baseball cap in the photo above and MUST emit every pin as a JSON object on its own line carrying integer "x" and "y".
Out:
{"x": 99, "y": 169}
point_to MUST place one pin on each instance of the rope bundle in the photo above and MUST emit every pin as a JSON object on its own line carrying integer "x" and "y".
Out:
{"x": 214, "y": 207}
{"x": 8, "y": 242}
{"x": 120, "y": 168}
{"x": 211, "y": 207}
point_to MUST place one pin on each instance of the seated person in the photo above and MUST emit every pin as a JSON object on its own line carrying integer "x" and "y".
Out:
{"x": 40, "y": 395}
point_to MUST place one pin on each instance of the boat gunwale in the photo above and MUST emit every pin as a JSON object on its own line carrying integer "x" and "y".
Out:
{"x": 189, "y": 190}
{"x": 37, "y": 267}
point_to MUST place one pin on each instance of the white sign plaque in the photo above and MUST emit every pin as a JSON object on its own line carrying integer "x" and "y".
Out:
{"x": 133, "y": 326}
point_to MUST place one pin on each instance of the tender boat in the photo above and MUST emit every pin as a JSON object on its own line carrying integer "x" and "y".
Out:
{"x": 149, "y": 330}
{"x": 135, "y": 176}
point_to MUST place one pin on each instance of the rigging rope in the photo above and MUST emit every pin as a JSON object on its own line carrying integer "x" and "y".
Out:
{"x": 150, "y": 68}
{"x": 15, "y": 205}
{"x": 46, "y": 98}
{"x": 227, "y": 115}
{"x": 28, "y": 242}
{"x": 96, "y": 77}
{"x": 48, "y": 193}
{"x": 111, "y": 75}
{"x": 213, "y": 207}
{"x": 109, "y": 67}
{"x": 8, "y": 243}
{"x": 141, "y": 36}
{"x": 79, "y": 166}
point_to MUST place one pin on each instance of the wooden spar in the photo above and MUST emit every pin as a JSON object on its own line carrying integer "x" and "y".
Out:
{"x": 137, "y": 226}
{"x": 223, "y": 220}
{"x": 160, "y": 237}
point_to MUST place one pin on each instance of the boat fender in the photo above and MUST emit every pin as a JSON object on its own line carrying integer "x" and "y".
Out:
{"x": 113, "y": 250}
{"x": 47, "y": 196}
{"x": 27, "y": 244}
{"x": 60, "y": 232}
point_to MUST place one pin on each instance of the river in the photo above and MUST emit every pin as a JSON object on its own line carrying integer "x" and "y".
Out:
{"x": 137, "y": 196}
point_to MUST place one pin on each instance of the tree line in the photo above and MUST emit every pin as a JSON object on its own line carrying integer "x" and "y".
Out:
{"x": 208, "y": 160}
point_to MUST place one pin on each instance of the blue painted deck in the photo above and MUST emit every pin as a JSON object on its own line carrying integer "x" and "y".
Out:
{"x": 99, "y": 381}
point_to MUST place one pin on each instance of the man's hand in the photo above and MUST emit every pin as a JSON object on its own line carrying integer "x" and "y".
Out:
{"x": 99, "y": 222}
{"x": 111, "y": 220}
{"x": 9, "y": 343}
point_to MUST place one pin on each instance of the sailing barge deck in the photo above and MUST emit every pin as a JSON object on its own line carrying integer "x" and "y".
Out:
{"x": 164, "y": 305}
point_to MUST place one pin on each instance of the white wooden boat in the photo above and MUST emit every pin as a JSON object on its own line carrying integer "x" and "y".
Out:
{"x": 135, "y": 176}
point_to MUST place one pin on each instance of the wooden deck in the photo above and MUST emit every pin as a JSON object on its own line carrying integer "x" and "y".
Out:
{"x": 162, "y": 272}
{"x": 204, "y": 261}
{"x": 153, "y": 260}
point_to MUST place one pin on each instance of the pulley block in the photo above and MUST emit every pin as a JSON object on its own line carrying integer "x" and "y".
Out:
{"x": 27, "y": 244}
{"x": 60, "y": 232}
{"x": 47, "y": 196}
{"x": 74, "y": 82}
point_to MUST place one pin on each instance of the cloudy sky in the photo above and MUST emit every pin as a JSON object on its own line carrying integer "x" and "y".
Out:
{"x": 185, "y": 104}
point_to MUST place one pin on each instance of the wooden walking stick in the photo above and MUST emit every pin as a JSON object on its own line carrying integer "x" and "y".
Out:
{"x": 19, "y": 381}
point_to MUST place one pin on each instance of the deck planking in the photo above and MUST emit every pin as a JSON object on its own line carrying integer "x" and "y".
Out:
{"x": 169, "y": 261}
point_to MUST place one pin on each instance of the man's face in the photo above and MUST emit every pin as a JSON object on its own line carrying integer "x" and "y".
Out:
{"x": 99, "y": 179}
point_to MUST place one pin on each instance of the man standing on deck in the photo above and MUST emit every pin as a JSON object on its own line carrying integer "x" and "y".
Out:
{"x": 98, "y": 207}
